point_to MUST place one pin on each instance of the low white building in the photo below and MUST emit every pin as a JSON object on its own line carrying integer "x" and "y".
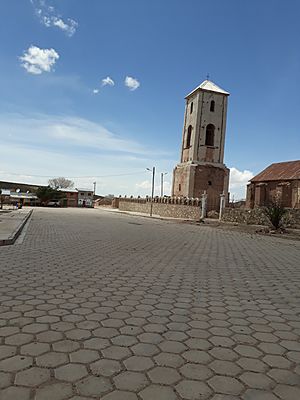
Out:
{"x": 85, "y": 197}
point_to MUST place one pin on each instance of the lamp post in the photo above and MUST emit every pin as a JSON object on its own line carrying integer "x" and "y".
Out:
{"x": 152, "y": 189}
{"x": 162, "y": 183}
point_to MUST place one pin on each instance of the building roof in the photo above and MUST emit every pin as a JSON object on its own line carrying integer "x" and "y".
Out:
{"x": 67, "y": 190}
{"x": 209, "y": 86}
{"x": 283, "y": 171}
{"x": 84, "y": 190}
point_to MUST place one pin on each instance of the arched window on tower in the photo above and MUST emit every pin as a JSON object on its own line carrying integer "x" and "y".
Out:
{"x": 210, "y": 135}
{"x": 191, "y": 107}
{"x": 189, "y": 136}
{"x": 212, "y": 106}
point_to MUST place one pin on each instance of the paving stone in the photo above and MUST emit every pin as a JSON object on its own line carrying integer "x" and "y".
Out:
{"x": 271, "y": 348}
{"x": 284, "y": 376}
{"x": 49, "y": 336}
{"x": 163, "y": 375}
{"x": 7, "y": 351}
{"x": 35, "y": 349}
{"x": 225, "y": 367}
{"x": 252, "y": 364}
{"x": 145, "y": 349}
{"x": 193, "y": 390}
{"x": 14, "y": 393}
{"x": 84, "y": 356}
{"x": 248, "y": 351}
{"x": 120, "y": 395}
{"x": 78, "y": 334}
{"x": 255, "y": 394}
{"x": 294, "y": 356}
{"x": 124, "y": 340}
{"x": 18, "y": 339}
{"x": 93, "y": 386}
{"x": 52, "y": 359}
{"x": 286, "y": 392}
{"x": 116, "y": 352}
{"x": 169, "y": 360}
{"x": 197, "y": 356}
{"x": 105, "y": 367}
{"x": 71, "y": 372}
{"x": 32, "y": 377}
{"x": 35, "y": 328}
{"x": 153, "y": 338}
{"x": 105, "y": 333}
{"x": 158, "y": 392}
{"x": 54, "y": 391}
{"x": 15, "y": 363}
{"x": 257, "y": 380}
{"x": 138, "y": 363}
{"x": 196, "y": 371}
{"x": 96, "y": 344}
{"x": 5, "y": 379}
{"x": 131, "y": 381}
{"x": 277, "y": 361}
{"x": 171, "y": 346}
{"x": 223, "y": 354}
{"x": 225, "y": 385}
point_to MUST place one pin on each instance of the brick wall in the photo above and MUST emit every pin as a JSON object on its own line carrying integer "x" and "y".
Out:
{"x": 164, "y": 207}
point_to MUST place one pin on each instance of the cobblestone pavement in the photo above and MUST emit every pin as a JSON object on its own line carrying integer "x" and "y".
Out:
{"x": 95, "y": 305}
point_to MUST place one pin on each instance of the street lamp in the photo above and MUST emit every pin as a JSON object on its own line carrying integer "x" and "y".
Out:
{"x": 152, "y": 189}
{"x": 162, "y": 183}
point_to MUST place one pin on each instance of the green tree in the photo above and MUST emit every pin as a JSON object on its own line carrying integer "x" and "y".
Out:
{"x": 46, "y": 193}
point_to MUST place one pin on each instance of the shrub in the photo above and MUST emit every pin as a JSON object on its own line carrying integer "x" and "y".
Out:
{"x": 275, "y": 212}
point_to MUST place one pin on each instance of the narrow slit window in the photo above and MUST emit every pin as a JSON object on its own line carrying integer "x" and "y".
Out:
{"x": 189, "y": 136}
{"x": 212, "y": 106}
{"x": 191, "y": 107}
{"x": 210, "y": 135}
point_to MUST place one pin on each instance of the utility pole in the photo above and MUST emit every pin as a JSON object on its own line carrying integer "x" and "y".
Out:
{"x": 152, "y": 189}
{"x": 94, "y": 183}
{"x": 162, "y": 183}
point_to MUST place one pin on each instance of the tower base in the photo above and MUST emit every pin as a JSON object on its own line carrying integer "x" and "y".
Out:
{"x": 191, "y": 180}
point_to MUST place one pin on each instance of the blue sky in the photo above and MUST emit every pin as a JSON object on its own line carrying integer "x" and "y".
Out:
{"x": 53, "y": 124}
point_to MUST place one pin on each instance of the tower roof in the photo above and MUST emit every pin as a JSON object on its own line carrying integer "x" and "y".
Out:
{"x": 209, "y": 86}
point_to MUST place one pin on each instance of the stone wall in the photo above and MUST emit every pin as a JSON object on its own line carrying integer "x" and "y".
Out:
{"x": 164, "y": 207}
{"x": 256, "y": 216}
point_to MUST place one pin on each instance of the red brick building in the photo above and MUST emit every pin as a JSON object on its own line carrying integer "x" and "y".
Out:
{"x": 69, "y": 198}
{"x": 279, "y": 180}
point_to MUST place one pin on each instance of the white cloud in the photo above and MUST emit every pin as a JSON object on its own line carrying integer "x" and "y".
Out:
{"x": 96, "y": 91}
{"x": 131, "y": 83}
{"x": 238, "y": 183}
{"x": 49, "y": 17}
{"x": 68, "y": 133}
{"x": 108, "y": 81}
{"x": 48, "y": 146}
{"x": 36, "y": 60}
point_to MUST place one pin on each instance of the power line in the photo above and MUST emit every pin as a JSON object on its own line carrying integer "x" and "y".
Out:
{"x": 75, "y": 177}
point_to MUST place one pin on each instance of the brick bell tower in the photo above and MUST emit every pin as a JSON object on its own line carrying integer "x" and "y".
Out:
{"x": 202, "y": 152}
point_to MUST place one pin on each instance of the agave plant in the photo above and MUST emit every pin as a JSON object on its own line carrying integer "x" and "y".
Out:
{"x": 275, "y": 212}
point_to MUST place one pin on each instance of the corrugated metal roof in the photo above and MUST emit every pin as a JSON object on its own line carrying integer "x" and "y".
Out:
{"x": 68, "y": 190}
{"x": 210, "y": 87}
{"x": 288, "y": 170}
{"x": 84, "y": 190}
